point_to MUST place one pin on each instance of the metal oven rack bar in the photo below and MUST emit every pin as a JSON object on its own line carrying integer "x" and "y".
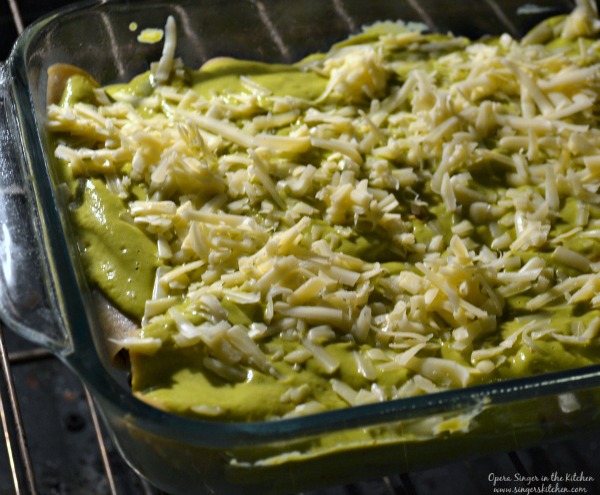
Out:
{"x": 15, "y": 436}
{"x": 465, "y": 477}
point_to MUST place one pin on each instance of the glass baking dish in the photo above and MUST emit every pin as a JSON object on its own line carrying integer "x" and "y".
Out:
{"x": 44, "y": 296}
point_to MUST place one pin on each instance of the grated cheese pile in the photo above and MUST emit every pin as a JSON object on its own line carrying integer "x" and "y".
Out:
{"x": 436, "y": 210}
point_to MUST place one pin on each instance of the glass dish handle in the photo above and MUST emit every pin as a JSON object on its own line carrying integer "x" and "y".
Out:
{"x": 28, "y": 303}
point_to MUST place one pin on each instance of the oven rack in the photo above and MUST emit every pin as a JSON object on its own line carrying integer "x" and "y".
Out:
{"x": 55, "y": 443}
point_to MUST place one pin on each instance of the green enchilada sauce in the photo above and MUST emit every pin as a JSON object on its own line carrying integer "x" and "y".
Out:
{"x": 121, "y": 260}
{"x": 118, "y": 257}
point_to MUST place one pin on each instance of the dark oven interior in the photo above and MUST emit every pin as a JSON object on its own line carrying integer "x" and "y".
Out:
{"x": 55, "y": 443}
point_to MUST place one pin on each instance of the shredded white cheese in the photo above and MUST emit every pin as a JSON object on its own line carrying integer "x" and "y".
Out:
{"x": 464, "y": 171}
